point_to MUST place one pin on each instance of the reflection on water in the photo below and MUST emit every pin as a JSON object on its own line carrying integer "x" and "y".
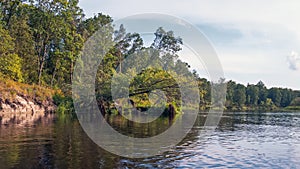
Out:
{"x": 139, "y": 130}
{"x": 256, "y": 140}
{"x": 22, "y": 117}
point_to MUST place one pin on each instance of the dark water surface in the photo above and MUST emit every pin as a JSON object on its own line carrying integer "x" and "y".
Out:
{"x": 242, "y": 140}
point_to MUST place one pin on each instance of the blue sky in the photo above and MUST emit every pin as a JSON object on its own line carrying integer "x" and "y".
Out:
{"x": 255, "y": 40}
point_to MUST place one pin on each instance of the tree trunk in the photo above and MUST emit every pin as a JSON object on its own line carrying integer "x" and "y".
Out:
{"x": 54, "y": 73}
{"x": 42, "y": 59}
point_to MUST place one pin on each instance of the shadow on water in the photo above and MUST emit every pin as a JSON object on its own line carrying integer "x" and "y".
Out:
{"x": 139, "y": 130}
{"x": 241, "y": 140}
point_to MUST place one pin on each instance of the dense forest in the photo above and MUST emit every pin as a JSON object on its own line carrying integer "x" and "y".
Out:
{"x": 40, "y": 41}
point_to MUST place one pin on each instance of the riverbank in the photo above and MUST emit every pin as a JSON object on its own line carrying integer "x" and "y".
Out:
{"x": 264, "y": 109}
{"x": 19, "y": 101}
{"x": 259, "y": 108}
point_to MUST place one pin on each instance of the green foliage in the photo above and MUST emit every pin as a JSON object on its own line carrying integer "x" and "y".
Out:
{"x": 166, "y": 41}
{"x": 263, "y": 92}
{"x": 89, "y": 26}
{"x": 275, "y": 95}
{"x": 24, "y": 46}
{"x": 257, "y": 97}
{"x": 10, "y": 66}
{"x": 10, "y": 62}
{"x": 239, "y": 96}
{"x": 64, "y": 103}
{"x": 47, "y": 36}
{"x": 149, "y": 79}
{"x": 252, "y": 95}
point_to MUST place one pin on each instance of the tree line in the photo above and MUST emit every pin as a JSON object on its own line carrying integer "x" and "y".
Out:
{"x": 258, "y": 95}
{"x": 40, "y": 41}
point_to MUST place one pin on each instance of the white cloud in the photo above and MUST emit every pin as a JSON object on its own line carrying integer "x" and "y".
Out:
{"x": 294, "y": 61}
{"x": 230, "y": 11}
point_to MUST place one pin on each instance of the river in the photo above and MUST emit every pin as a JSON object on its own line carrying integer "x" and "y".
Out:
{"x": 242, "y": 140}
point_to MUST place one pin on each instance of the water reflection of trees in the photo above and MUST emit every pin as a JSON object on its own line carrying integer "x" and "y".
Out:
{"x": 60, "y": 142}
{"x": 63, "y": 143}
{"x": 140, "y": 130}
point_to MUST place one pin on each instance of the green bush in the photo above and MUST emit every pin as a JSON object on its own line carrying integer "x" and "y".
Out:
{"x": 64, "y": 104}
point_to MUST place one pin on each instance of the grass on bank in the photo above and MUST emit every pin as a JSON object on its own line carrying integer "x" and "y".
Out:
{"x": 292, "y": 108}
{"x": 9, "y": 89}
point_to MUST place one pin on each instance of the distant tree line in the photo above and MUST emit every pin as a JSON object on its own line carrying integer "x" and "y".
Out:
{"x": 249, "y": 97}
{"x": 258, "y": 95}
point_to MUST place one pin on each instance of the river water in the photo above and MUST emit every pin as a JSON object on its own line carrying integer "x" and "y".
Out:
{"x": 242, "y": 140}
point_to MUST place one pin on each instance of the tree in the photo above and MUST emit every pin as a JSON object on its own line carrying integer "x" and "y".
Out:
{"x": 24, "y": 45}
{"x": 67, "y": 43}
{"x": 126, "y": 44}
{"x": 287, "y": 97}
{"x": 89, "y": 26}
{"x": 10, "y": 62}
{"x": 231, "y": 85}
{"x": 166, "y": 41}
{"x": 57, "y": 39}
{"x": 252, "y": 95}
{"x": 275, "y": 95}
{"x": 263, "y": 93}
{"x": 43, "y": 23}
{"x": 240, "y": 95}
{"x": 8, "y": 9}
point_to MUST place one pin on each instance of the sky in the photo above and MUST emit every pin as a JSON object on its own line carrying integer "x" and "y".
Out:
{"x": 255, "y": 40}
